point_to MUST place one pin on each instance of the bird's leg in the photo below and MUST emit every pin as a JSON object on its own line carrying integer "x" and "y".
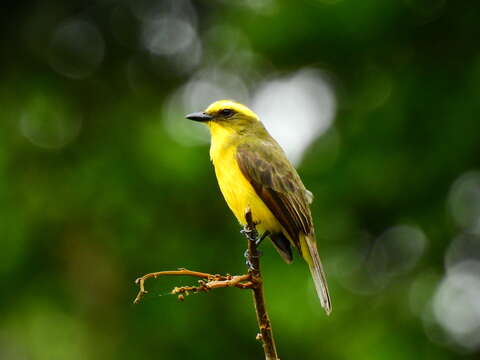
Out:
{"x": 252, "y": 235}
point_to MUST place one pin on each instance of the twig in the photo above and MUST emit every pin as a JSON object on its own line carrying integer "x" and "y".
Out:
{"x": 252, "y": 280}
{"x": 212, "y": 282}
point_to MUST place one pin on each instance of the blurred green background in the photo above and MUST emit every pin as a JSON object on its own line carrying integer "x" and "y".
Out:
{"x": 103, "y": 180}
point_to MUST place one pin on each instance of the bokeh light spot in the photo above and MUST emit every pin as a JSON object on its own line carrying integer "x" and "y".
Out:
{"x": 76, "y": 49}
{"x": 296, "y": 109}
{"x": 151, "y": 10}
{"x": 373, "y": 264}
{"x": 456, "y": 304}
{"x": 463, "y": 247}
{"x": 404, "y": 245}
{"x": 182, "y": 62}
{"x": 464, "y": 201}
{"x": 48, "y": 124}
{"x": 168, "y": 36}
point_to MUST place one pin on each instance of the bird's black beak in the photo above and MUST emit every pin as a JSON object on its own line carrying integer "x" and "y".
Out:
{"x": 199, "y": 116}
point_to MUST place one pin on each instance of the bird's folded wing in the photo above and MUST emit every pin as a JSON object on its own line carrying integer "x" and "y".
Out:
{"x": 277, "y": 183}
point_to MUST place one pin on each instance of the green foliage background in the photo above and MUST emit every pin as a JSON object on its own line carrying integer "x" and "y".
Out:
{"x": 119, "y": 196}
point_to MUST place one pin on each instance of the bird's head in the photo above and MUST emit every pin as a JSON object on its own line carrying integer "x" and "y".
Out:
{"x": 227, "y": 114}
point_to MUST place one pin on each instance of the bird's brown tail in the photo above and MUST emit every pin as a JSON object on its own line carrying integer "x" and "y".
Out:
{"x": 310, "y": 254}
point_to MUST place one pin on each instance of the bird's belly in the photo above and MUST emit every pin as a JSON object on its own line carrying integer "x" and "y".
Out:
{"x": 240, "y": 195}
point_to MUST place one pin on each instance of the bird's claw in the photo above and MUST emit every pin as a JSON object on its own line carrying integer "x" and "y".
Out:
{"x": 250, "y": 234}
{"x": 247, "y": 256}
{"x": 250, "y": 265}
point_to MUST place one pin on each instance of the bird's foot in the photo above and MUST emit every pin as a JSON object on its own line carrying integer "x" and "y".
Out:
{"x": 249, "y": 258}
{"x": 256, "y": 242}
{"x": 250, "y": 234}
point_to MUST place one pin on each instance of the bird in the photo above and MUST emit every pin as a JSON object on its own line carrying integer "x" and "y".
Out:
{"x": 254, "y": 173}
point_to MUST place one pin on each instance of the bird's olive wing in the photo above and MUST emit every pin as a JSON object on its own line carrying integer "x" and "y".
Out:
{"x": 277, "y": 183}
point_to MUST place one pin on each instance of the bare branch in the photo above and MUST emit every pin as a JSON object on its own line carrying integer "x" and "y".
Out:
{"x": 252, "y": 280}
{"x": 211, "y": 282}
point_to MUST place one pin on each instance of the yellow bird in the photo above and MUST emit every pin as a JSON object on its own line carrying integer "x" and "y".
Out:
{"x": 253, "y": 172}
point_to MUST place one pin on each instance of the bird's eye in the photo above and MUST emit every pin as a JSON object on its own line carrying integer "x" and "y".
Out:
{"x": 226, "y": 112}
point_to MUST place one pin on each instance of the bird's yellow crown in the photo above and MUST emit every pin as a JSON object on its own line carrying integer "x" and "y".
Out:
{"x": 238, "y": 108}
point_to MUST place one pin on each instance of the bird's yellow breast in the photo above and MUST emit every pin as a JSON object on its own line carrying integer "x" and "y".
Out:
{"x": 236, "y": 189}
